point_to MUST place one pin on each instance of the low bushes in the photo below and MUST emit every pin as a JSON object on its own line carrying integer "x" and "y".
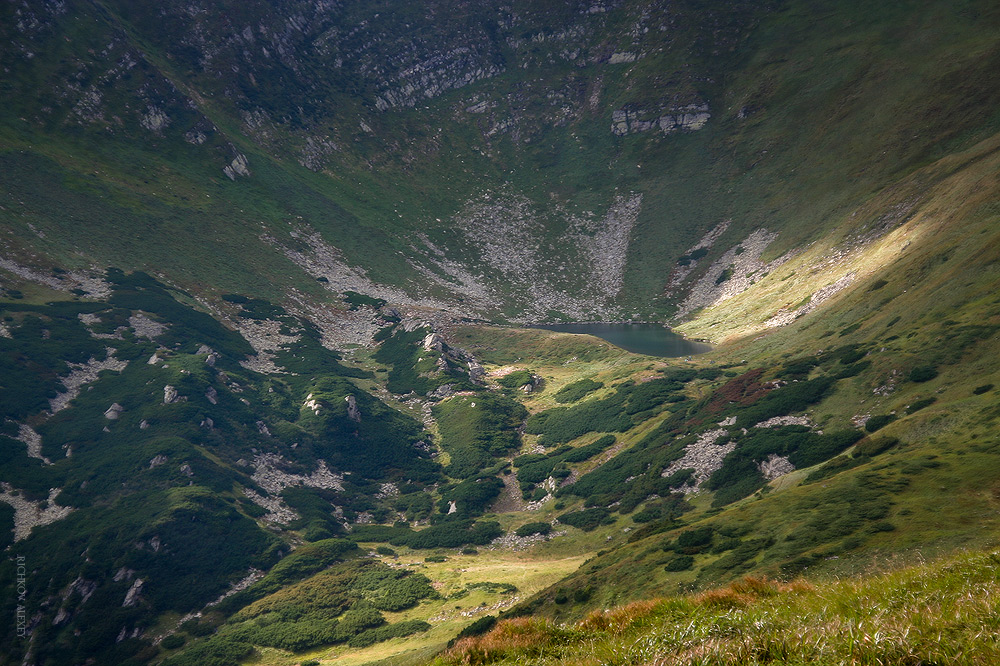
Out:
{"x": 576, "y": 390}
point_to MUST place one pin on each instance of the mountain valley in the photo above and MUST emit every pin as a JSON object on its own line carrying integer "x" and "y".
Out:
{"x": 270, "y": 392}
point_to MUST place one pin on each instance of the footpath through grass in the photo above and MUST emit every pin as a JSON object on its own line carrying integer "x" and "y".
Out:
{"x": 943, "y": 613}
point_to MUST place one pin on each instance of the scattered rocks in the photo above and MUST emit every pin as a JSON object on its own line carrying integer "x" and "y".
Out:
{"x": 252, "y": 577}
{"x": 680, "y": 272}
{"x": 784, "y": 316}
{"x": 775, "y": 466}
{"x": 443, "y": 391}
{"x": 238, "y": 167}
{"x": 732, "y": 274}
{"x": 624, "y": 57}
{"x": 265, "y": 336}
{"x": 29, "y": 515}
{"x": 353, "y": 412}
{"x": 132, "y": 596}
{"x": 512, "y": 542}
{"x": 779, "y": 421}
{"x": 631, "y": 120}
{"x": 273, "y": 480}
{"x": 170, "y": 395}
{"x": 511, "y": 237}
{"x": 33, "y": 441}
{"x": 277, "y": 511}
{"x": 82, "y": 374}
{"x": 703, "y": 456}
{"x": 154, "y": 119}
{"x": 93, "y": 285}
{"x": 145, "y": 327}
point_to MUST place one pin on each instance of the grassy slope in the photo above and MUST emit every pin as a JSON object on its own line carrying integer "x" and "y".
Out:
{"x": 940, "y": 613}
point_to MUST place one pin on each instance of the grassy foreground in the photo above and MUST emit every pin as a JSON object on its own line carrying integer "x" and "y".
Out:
{"x": 942, "y": 613}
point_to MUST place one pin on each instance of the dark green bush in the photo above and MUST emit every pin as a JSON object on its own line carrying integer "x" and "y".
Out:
{"x": 923, "y": 373}
{"x": 356, "y": 300}
{"x": 576, "y": 390}
{"x": 533, "y": 528}
{"x": 397, "y": 630}
{"x": 477, "y": 628}
{"x": 979, "y": 390}
{"x": 679, "y": 563}
{"x": 879, "y": 421}
{"x": 586, "y": 520}
{"x": 794, "y": 397}
{"x": 696, "y": 539}
{"x": 873, "y": 446}
{"x": 515, "y": 379}
{"x": 920, "y": 404}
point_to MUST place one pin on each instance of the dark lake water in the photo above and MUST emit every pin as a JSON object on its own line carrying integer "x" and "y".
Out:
{"x": 651, "y": 339}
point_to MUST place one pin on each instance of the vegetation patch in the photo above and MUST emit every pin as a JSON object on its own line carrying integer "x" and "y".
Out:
{"x": 576, "y": 390}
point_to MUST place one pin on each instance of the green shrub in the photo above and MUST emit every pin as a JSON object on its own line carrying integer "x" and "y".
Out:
{"x": 213, "y": 652}
{"x": 533, "y": 528}
{"x": 356, "y": 300}
{"x": 397, "y": 630}
{"x": 515, "y": 379}
{"x": 879, "y": 421}
{"x": 979, "y": 390}
{"x": 586, "y": 520}
{"x": 477, "y": 628}
{"x": 920, "y": 404}
{"x": 923, "y": 373}
{"x": 172, "y": 642}
{"x": 576, "y": 390}
{"x": 873, "y": 446}
{"x": 696, "y": 539}
{"x": 196, "y": 628}
{"x": 679, "y": 563}
{"x": 385, "y": 550}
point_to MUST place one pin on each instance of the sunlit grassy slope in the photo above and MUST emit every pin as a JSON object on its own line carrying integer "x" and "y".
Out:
{"x": 942, "y": 613}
